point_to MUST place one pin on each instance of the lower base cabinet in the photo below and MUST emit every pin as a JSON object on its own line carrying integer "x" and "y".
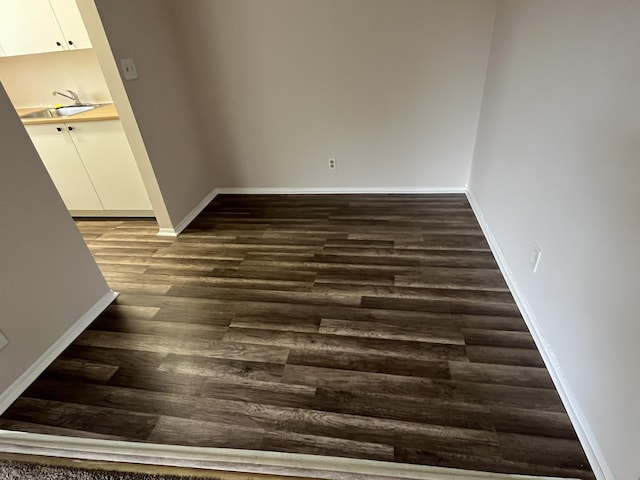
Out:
{"x": 60, "y": 157}
{"x": 92, "y": 166}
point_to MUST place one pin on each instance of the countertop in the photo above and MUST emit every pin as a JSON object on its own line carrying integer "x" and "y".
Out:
{"x": 105, "y": 112}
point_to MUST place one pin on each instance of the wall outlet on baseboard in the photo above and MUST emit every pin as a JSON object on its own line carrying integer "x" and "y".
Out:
{"x": 332, "y": 163}
{"x": 3, "y": 341}
{"x": 536, "y": 255}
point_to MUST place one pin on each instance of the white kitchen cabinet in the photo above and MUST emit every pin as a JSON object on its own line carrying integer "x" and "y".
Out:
{"x": 93, "y": 167}
{"x": 71, "y": 24}
{"x": 60, "y": 157}
{"x": 38, "y": 26}
{"x": 106, "y": 155}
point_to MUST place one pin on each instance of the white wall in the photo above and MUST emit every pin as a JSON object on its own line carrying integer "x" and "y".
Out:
{"x": 30, "y": 79}
{"x": 161, "y": 100}
{"x": 391, "y": 88}
{"x": 557, "y": 163}
{"x": 48, "y": 278}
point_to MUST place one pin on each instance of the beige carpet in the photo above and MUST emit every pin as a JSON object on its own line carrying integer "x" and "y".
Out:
{"x": 22, "y": 467}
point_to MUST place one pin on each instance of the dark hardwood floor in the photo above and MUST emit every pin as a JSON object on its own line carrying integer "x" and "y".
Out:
{"x": 365, "y": 326}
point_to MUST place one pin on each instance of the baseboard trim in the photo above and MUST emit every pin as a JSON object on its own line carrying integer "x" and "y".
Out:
{"x": 167, "y": 232}
{"x": 233, "y": 460}
{"x": 27, "y": 378}
{"x": 591, "y": 447}
{"x": 335, "y": 190}
{"x": 184, "y": 223}
{"x": 112, "y": 213}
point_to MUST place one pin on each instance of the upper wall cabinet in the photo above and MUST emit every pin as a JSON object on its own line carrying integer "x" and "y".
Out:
{"x": 71, "y": 23}
{"x": 38, "y": 26}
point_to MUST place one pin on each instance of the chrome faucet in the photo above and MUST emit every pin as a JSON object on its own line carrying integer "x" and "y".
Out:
{"x": 73, "y": 96}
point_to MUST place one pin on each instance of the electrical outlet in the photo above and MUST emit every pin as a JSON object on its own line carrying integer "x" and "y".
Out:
{"x": 332, "y": 163}
{"x": 536, "y": 255}
{"x": 3, "y": 341}
{"x": 128, "y": 69}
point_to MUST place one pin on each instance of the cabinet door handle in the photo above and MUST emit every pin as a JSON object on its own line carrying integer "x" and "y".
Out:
{"x": 59, "y": 129}
{"x": 70, "y": 128}
{"x": 58, "y": 44}
{"x": 70, "y": 42}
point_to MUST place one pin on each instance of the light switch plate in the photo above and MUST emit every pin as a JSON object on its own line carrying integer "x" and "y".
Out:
{"x": 128, "y": 69}
{"x": 536, "y": 255}
{"x": 3, "y": 341}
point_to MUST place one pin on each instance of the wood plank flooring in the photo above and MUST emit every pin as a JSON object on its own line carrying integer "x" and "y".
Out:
{"x": 364, "y": 326}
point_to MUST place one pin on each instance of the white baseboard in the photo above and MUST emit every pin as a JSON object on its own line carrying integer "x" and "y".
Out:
{"x": 591, "y": 447}
{"x": 184, "y": 223}
{"x": 27, "y": 378}
{"x": 167, "y": 232}
{"x": 335, "y": 190}
{"x": 112, "y": 213}
{"x": 234, "y": 460}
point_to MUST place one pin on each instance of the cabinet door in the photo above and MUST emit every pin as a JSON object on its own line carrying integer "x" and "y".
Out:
{"x": 29, "y": 26}
{"x": 59, "y": 155}
{"x": 106, "y": 154}
{"x": 71, "y": 24}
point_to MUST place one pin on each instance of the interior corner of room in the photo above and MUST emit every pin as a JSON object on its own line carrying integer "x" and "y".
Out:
{"x": 532, "y": 103}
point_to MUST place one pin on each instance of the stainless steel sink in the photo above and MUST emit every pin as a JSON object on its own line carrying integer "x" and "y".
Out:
{"x": 60, "y": 112}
